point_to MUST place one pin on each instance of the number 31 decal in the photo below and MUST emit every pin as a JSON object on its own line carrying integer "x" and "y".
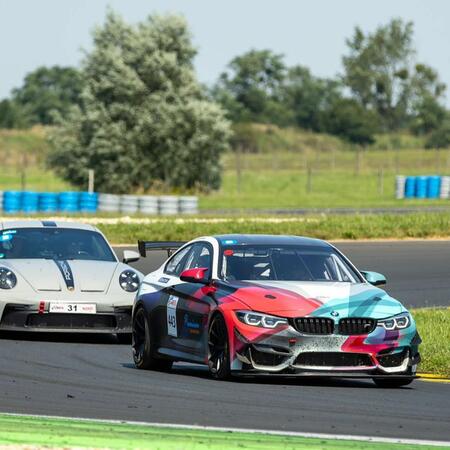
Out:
{"x": 172, "y": 316}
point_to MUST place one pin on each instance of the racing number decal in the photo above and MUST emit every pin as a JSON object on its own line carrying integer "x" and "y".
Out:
{"x": 172, "y": 316}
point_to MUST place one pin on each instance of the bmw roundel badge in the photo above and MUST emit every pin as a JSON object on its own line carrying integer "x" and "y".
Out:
{"x": 334, "y": 313}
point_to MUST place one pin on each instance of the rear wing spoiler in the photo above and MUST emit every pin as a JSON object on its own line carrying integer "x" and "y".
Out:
{"x": 169, "y": 246}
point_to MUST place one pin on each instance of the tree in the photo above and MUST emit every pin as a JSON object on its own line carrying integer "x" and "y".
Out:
{"x": 308, "y": 98}
{"x": 11, "y": 115}
{"x": 144, "y": 119}
{"x": 381, "y": 73}
{"x": 440, "y": 137}
{"x": 251, "y": 87}
{"x": 348, "y": 119}
{"x": 47, "y": 90}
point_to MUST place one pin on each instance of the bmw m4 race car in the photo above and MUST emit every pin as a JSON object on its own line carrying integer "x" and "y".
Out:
{"x": 251, "y": 304}
{"x": 62, "y": 276}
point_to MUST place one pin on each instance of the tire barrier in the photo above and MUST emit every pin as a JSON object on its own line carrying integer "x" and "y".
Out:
{"x": 400, "y": 182}
{"x": 109, "y": 203}
{"x": 168, "y": 205}
{"x": 189, "y": 205}
{"x": 430, "y": 186}
{"x": 129, "y": 204}
{"x": 148, "y": 205}
{"x": 13, "y": 202}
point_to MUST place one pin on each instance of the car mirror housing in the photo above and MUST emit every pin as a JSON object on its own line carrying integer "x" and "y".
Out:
{"x": 197, "y": 275}
{"x": 130, "y": 256}
{"x": 374, "y": 278}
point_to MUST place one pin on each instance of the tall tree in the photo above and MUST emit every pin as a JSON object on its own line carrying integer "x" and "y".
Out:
{"x": 382, "y": 75}
{"x": 308, "y": 98}
{"x": 144, "y": 119}
{"x": 47, "y": 90}
{"x": 251, "y": 87}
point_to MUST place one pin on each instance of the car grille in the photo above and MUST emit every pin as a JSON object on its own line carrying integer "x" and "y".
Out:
{"x": 79, "y": 321}
{"x": 334, "y": 359}
{"x": 352, "y": 326}
{"x": 313, "y": 325}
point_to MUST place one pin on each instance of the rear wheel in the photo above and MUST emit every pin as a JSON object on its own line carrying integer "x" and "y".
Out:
{"x": 143, "y": 348}
{"x": 218, "y": 349}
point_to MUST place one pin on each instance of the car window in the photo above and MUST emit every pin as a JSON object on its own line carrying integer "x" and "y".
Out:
{"x": 176, "y": 264}
{"x": 54, "y": 243}
{"x": 200, "y": 257}
{"x": 289, "y": 263}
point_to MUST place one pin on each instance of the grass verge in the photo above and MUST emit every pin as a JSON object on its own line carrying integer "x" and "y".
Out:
{"x": 329, "y": 227}
{"x": 434, "y": 328}
{"x": 66, "y": 433}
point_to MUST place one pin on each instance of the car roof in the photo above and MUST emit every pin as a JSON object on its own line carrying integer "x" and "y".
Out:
{"x": 268, "y": 239}
{"x": 14, "y": 224}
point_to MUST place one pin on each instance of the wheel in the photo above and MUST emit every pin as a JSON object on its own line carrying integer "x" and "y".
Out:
{"x": 143, "y": 349}
{"x": 218, "y": 349}
{"x": 124, "y": 338}
{"x": 396, "y": 382}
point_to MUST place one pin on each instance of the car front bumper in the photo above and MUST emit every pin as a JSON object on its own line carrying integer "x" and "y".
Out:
{"x": 29, "y": 318}
{"x": 286, "y": 351}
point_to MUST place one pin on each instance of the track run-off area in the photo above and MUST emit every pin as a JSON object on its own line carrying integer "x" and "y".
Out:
{"x": 94, "y": 377}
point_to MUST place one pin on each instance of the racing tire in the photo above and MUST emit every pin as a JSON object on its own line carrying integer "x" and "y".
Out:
{"x": 218, "y": 349}
{"x": 392, "y": 383}
{"x": 143, "y": 347}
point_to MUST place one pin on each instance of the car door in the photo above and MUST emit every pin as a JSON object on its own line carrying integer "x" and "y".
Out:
{"x": 189, "y": 306}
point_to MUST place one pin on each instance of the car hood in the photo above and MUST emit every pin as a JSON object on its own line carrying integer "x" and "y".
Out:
{"x": 50, "y": 275}
{"x": 324, "y": 299}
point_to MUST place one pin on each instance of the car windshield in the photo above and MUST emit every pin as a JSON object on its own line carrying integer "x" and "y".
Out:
{"x": 287, "y": 263}
{"x": 54, "y": 243}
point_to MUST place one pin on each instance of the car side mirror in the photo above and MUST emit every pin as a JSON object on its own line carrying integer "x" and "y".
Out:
{"x": 197, "y": 275}
{"x": 375, "y": 278}
{"x": 130, "y": 256}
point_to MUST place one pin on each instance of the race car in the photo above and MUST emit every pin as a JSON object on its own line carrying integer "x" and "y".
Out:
{"x": 64, "y": 277}
{"x": 253, "y": 304}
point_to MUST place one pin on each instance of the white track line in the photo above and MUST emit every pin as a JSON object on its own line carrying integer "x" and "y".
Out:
{"x": 346, "y": 437}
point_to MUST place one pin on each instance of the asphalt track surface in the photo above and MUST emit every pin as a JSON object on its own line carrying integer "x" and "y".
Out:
{"x": 90, "y": 376}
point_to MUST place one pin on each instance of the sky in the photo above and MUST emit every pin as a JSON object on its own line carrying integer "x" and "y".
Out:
{"x": 307, "y": 32}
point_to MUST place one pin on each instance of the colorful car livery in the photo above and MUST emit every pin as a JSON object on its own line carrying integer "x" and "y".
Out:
{"x": 252, "y": 304}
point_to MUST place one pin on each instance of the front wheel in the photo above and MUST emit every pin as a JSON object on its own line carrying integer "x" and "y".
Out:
{"x": 218, "y": 349}
{"x": 142, "y": 345}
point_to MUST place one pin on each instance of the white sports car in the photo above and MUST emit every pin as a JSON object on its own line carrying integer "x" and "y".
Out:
{"x": 62, "y": 276}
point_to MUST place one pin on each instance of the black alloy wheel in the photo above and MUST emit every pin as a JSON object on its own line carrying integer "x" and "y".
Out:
{"x": 218, "y": 349}
{"x": 143, "y": 349}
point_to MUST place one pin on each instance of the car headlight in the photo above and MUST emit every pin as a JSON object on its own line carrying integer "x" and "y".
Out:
{"x": 7, "y": 278}
{"x": 395, "y": 323}
{"x": 260, "y": 320}
{"x": 129, "y": 281}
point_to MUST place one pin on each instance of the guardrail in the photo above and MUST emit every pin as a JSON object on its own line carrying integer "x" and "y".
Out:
{"x": 13, "y": 202}
{"x": 423, "y": 186}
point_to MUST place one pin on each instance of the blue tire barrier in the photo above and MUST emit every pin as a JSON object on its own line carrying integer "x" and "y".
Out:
{"x": 12, "y": 202}
{"x": 30, "y": 202}
{"x": 69, "y": 201}
{"x": 88, "y": 202}
{"x": 421, "y": 187}
{"x": 48, "y": 202}
{"x": 410, "y": 187}
{"x": 433, "y": 186}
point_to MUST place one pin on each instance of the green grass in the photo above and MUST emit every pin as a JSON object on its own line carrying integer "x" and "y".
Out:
{"x": 275, "y": 177}
{"x": 434, "y": 327}
{"x": 66, "y": 433}
{"x": 328, "y": 227}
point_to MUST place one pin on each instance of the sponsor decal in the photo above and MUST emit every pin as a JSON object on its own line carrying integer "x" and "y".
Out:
{"x": 48, "y": 223}
{"x": 163, "y": 280}
{"x": 192, "y": 326}
{"x": 10, "y": 232}
{"x": 172, "y": 304}
{"x": 6, "y": 237}
{"x": 67, "y": 274}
